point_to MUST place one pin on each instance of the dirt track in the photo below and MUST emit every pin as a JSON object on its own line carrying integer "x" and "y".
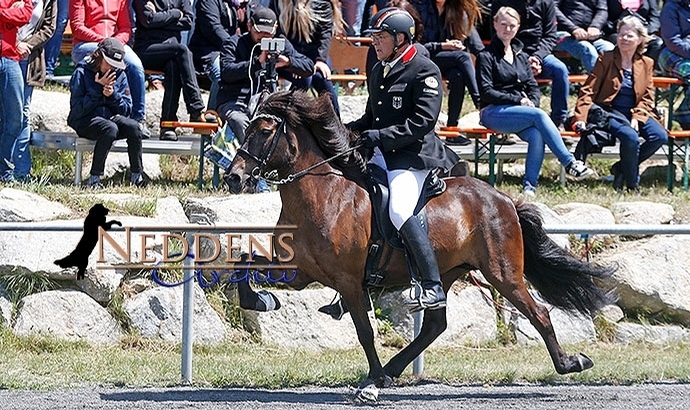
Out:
{"x": 429, "y": 396}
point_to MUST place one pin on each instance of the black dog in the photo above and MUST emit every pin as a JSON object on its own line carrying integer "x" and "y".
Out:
{"x": 80, "y": 255}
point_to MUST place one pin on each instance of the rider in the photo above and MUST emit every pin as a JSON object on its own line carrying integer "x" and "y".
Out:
{"x": 404, "y": 102}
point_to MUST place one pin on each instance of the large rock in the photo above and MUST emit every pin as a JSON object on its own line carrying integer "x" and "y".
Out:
{"x": 577, "y": 213}
{"x": 642, "y": 213}
{"x": 463, "y": 329}
{"x": 569, "y": 327}
{"x": 22, "y": 206}
{"x": 352, "y": 107}
{"x": 118, "y": 162}
{"x": 49, "y": 111}
{"x": 653, "y": 276}
{"x": 298, "y": 324}
{"x": 5, "y": 308}
{"x": 247, "y": 209}
{"x": 169, "y": 211}
{"x": 157, "y": 314}
{"x": 69, "y": 315}
{"x": 658, "y": 335}
{"x": 552, "y": 218}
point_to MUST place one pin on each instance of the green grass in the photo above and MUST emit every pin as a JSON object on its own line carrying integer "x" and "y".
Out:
{"x": 40, "y": 363}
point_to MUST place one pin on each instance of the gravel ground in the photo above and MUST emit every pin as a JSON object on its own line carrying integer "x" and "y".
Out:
{"x": 427, "y": 396}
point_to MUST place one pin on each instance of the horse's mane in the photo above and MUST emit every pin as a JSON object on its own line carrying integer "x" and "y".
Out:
{"x": 298, "y": 108}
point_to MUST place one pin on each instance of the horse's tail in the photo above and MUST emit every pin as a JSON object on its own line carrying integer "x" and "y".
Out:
{"x": 561, "y": 279}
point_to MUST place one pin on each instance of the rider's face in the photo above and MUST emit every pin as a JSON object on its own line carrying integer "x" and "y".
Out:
{"x": 383, "y": 44}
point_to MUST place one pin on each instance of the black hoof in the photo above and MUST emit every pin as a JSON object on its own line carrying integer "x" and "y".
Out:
{"x": 385, "y": 381}
{"x": 576, "y": 364}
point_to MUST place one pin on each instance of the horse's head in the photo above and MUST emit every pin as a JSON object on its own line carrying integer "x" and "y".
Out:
{"x": 263, "y": 151}
{"x": 287, "y": 126}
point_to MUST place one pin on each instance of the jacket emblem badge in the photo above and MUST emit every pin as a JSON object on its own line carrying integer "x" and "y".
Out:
{"x": 397, "y": 102}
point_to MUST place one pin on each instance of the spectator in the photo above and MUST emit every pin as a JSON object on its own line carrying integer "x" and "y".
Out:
{"x": 94, "y": 20}
{"x": 30, "y": 41}
{"x": 216, "y": 21}
{"x": 449, "y": 33}
{"x": 309, "y": 26}
{"x": 622, "y": 82}
{"x": 53, "y": 46}
{"x": 538, "y": 36}
{"x": 674, "y": 59}
{"x": 240, "y": 55}
{"x": 158, "y": 43}
{"x": 645, "y": 10}
{"x": 510, "y": 99}
{"x": 100, "y": 106}
{"x": 579, "y": 29}
{"x": 13, "y": 15}
{"x": 353, "y": 11}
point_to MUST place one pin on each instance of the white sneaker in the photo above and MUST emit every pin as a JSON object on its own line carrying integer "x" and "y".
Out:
{"x": 578, "y": 171}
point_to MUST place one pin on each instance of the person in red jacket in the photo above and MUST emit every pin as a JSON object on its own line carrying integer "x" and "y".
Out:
{"x": 13, "y": 14}
{"x": 94, "y": 20}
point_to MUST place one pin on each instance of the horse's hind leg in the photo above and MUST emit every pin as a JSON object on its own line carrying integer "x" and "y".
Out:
{"x": 516, "y": 292}
{"x": 433, "y": 325}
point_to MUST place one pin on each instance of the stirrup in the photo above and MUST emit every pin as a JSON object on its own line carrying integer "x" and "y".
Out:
{"x": 416, "y": 304}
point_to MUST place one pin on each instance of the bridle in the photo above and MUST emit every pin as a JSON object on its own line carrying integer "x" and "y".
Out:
{"x": 262, "y": 160}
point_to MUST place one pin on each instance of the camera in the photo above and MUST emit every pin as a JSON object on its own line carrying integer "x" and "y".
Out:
{"x": 273, "y": 45}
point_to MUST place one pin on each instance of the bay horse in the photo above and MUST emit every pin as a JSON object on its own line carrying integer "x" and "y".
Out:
{"x": 294, "y": 137}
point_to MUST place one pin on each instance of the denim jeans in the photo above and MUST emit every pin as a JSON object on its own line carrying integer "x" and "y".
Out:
{"x": 11, "y": 104}
{"x": 320, "y": 83}
{"x": 353, "y": 10}
{"x": 555, "y": 70}
{"x": 213, "y": 73}
{"x": 457, "y": 67}
{"x": 134, "y": 71}
{"x": 237, "y": 118}
{"x": 586, "y": 51}
{"x": 175, "y": 60}
{"x": 531, "y": 124}
{"x": 52, "y": 47}
{"x": 631, "y": 152}
{"x": 21, "y": 155}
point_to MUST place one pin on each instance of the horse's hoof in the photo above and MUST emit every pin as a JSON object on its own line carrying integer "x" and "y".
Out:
{"x": 385, "y": 381}
{"x": 583, "y": 362}
{"x": 367, "y": 394}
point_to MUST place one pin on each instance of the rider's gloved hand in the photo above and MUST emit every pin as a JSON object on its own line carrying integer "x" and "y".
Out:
{"x": 370, "y": 138}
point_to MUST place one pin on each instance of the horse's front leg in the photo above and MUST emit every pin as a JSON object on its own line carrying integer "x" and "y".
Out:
{"x": 368, "y": 389}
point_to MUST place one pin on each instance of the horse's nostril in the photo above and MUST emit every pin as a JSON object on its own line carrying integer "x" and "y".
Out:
{"x": 234, "y": 183}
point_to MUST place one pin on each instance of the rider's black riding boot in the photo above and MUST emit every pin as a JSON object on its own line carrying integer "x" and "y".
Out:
{"x": 421, "y": 253}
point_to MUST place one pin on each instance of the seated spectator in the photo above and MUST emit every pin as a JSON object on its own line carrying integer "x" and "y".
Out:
{"x": 309, "y": 25}
{"x": 450, "y": 36}
{"x": 100, "y": 108}
{"x": 622, "y": 82}
{"x": 216, "y": 21}
{"x": 241, "y": 55}
{"x": 538, "y": 36}
{"x": 30, "y": 41}
{"x": 579, "y": 29}
{"x": 91, "y": 22}
{"x": 13, "y": 15}
{"x": 674, "y": 59}
{"x": 510, "y": 100}
{"x": 53, "y": 46}
{"x": 645, "y": 10}
{"x": 353, "y": 11}
{"x": 158, "y": 43}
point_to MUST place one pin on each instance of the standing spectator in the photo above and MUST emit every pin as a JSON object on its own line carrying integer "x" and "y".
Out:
{"x": 30, "y": 40}
{"x": 158, "y": 43}
{"x": 622, "y": 81}
{"x": 353, "y": 11}
{"x": 538, "y": 36}
{"x": 94, "y": 20}
{"x": 309, "y": 25}
{"x": 53, "y": 46}
{"x": 645, "y": 10}
{"x": 449, "y": 33}
{"x": 216, "y": 22}
{"x": 100, "y": 106}
{"x": 674, "y": 59}
{"x": 13, "y": 14}
{"x": 510, "y": 100}
{"x": 579, "y": 29}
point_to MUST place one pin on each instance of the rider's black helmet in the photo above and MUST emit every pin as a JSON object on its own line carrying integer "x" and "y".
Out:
{"x": 394, "y": 21}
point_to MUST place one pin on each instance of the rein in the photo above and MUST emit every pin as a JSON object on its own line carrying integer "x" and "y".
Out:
{"x": 260, "y": 169}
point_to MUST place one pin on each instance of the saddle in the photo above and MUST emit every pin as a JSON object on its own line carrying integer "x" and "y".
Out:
{"x": 383, "y": 231}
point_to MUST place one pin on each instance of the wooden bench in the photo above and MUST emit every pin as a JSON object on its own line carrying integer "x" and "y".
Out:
{"x": 187, "y": 145}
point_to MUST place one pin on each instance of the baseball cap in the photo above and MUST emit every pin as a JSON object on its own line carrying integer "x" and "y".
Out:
{"x": 113, "y": 52}
{"x": 264, "y": 20}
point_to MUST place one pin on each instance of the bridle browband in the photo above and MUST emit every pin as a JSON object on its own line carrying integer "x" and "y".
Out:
{"x": 262, "y": 161}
